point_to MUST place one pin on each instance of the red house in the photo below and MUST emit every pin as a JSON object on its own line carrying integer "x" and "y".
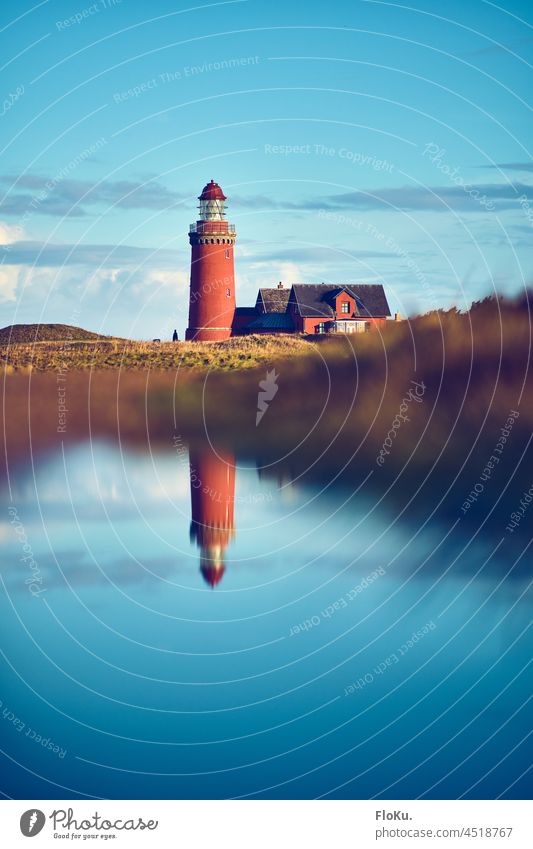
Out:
{"x": 314, "y": 308}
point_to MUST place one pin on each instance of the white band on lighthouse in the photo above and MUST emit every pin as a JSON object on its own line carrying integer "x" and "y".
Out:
{"x": 209, "y": 328}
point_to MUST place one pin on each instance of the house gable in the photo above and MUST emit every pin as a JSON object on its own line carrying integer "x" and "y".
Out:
{"x": 345, "y": 305}
{"x": 320, "y": 300}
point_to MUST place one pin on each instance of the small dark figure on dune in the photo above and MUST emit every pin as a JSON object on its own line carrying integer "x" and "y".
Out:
{"x": 175, "y": 336}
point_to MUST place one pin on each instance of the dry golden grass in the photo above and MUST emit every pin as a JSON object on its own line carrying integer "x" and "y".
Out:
{"x": 237, "y": 353}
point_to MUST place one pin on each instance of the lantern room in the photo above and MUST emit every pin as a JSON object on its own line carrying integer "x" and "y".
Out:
{"x": 212, "y": 202}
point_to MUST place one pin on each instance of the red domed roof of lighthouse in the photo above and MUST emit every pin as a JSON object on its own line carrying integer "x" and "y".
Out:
{"x": 212, "y": 191}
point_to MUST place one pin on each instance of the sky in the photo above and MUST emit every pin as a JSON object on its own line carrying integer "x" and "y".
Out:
{"x": 357, "y": 142}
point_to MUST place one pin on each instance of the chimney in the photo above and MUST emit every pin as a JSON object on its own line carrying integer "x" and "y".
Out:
{"x": 397, "y": 316}
{"x": 280, "y": 285}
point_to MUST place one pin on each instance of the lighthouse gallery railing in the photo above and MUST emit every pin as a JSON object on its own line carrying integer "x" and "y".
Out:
{"x": 211, "y": 227}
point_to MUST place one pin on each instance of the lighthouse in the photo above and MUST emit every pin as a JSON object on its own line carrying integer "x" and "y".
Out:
{"x": 212, "y": 292}
{"x": 212, "y": 507}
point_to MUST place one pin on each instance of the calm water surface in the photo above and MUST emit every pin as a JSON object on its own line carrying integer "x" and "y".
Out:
{"x": 192, "y": 627}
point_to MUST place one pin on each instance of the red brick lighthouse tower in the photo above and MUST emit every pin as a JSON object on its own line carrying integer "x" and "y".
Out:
{"x": 212, "y": 508}
{"x": 212, "y": 298}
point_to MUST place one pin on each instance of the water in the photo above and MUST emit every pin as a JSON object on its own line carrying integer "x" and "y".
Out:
{"x": 199, "y": 629}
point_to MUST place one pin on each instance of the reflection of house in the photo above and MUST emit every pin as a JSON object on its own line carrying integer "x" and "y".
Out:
{"x": 212, "y": 508}
{"x": 284, "y": 477}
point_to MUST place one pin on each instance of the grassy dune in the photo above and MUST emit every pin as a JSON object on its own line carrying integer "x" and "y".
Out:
{"x": 35, "y": 333}
{"x": 238, "y": 353}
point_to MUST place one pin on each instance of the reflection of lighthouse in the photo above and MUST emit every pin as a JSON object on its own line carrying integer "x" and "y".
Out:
{"x": 212, "y": 297}
{"x": 212, "y": 502}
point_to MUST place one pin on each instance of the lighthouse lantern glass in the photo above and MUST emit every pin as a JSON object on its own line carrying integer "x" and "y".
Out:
{"x": 212, "y": 210}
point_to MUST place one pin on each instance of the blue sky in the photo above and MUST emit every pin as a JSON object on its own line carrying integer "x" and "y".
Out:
{"x": 357, "y": 142}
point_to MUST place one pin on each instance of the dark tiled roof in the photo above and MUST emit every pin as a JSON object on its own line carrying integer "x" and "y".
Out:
{"x": 272, "y": 321}
{"x": 272, "y": 300}
{"x": 317, "y": 299}
{"x": 251, "y": 311}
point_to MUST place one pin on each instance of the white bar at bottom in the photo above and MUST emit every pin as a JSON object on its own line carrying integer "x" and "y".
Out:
{"x": 269, "y": 824}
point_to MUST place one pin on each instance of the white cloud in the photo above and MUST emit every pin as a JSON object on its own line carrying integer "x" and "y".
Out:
{"x": 177, "y": 281}
{"x": 9, "y": 276}
{"x": 289, "y": 272}
{"x": 10, "y": 234}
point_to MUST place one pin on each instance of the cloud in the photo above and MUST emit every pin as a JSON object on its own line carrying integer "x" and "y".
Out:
{"x": 62, "y": 197}
{"x": 290, "y": 271}
{"x": 320, "y": 254}
{"x": 160, "y": 279}
{"x": 468, "y": 198}
{"x": 523, "y": 228}
{"x": 56, "y": 290}
{"x": 8, "y": 234}
{"x": 35, "y": 194}
{"x": 261, "y": 202}
{"x": 512, "y": 166}
{"x": 9, "y": 276}
{"x": 77, "y": 268}
{"x": 93, "y": 255}
{"x": 435, "y": 198}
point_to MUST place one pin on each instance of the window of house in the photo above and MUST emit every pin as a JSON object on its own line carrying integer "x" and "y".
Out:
{"x": 345, "y": 307}
{"x": 320, "y": 327}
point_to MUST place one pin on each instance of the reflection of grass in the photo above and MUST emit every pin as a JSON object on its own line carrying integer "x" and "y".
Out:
{"x": 339, "y": 396}
{"x": 473, "y": 365}
{"x": 238, "y": 353}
